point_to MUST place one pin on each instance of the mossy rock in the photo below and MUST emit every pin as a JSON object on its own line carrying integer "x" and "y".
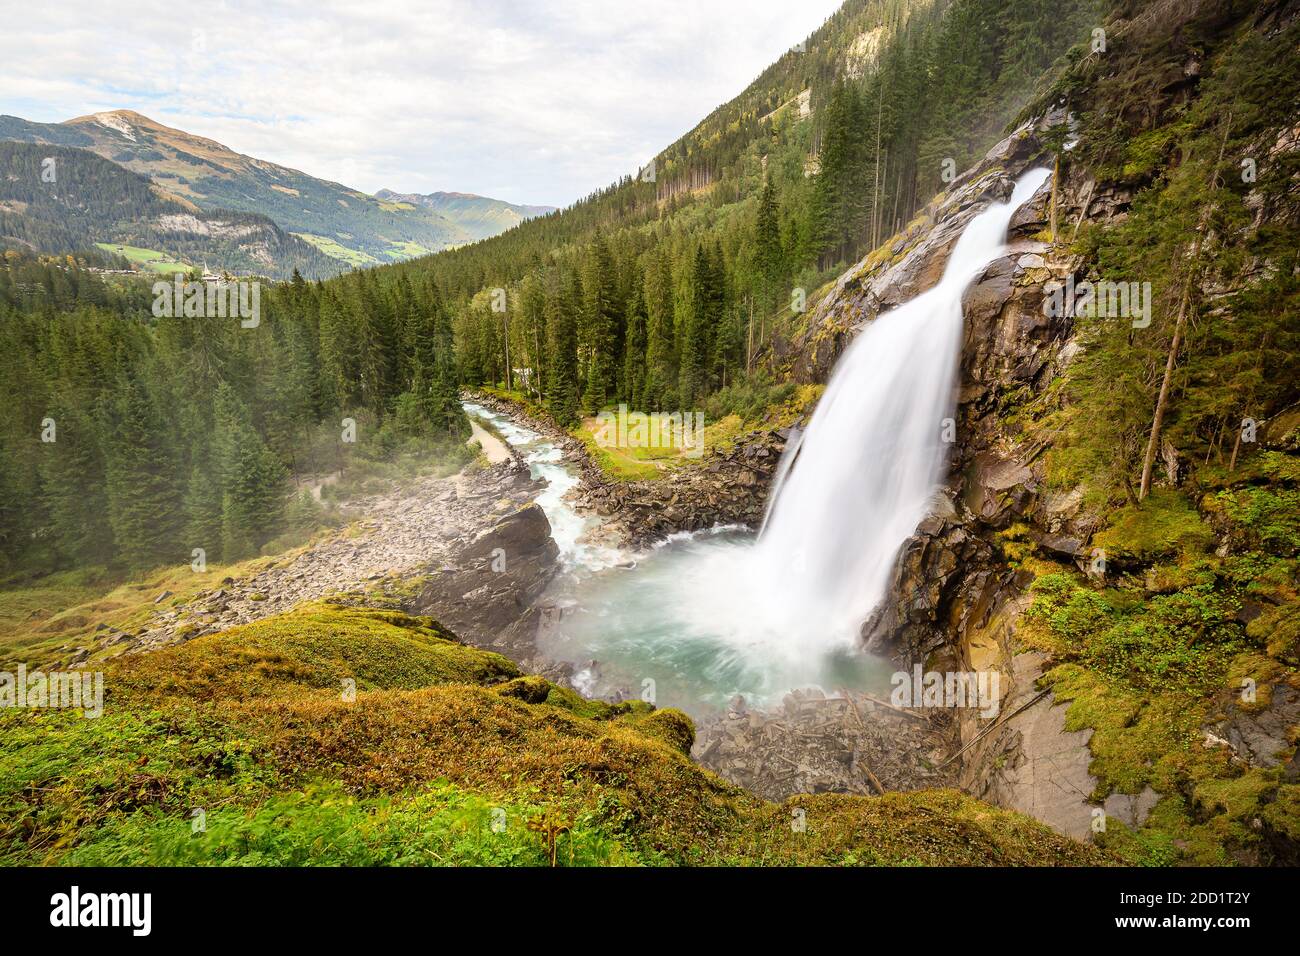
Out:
{"x": 1279, "y": 628}
{"x": 669, "y": 725}
{"x": 531, "y": 690}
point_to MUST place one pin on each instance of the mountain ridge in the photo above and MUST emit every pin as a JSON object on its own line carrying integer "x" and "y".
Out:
{"x": 346, "y": 224}
{"x": 482, "y": 216}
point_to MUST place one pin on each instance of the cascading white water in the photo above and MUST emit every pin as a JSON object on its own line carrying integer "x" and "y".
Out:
{"x": 707, "y": 616}
{"x": 873, "y": 454}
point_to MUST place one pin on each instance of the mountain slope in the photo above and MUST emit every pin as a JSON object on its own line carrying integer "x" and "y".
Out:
{"x": 83, "y": 200}
{"x": 345, "y": 223}
{"x": 479, "y": 216}
{"x": 693, "y": 275}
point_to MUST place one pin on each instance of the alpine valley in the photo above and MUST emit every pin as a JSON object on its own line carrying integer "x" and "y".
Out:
{"x": 902, "y": 468}
{"x": 198, "y": 203}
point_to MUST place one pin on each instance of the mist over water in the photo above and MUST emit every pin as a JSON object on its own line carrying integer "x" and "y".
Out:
{"x": 706, "y": 616}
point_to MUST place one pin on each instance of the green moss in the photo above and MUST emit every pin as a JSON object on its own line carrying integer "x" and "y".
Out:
{"x": 249, "y": 726}
{"x": 1279, "y": 628}
{"x": 1263, "y": 467}
{"x": 670, "y": 726}
{"x": 1282, "y": 813}
{"x": 531, "y": 690}
{"x": 1016, "y": 543}
{"x": 323, "y": 826}
{"x": 1163, "y": 525}
{"x": 1238, "y": 797}
{"x": 316, "y": 647}
{"x": 1146, "y": 669}
{"x": 1260, "y": 518}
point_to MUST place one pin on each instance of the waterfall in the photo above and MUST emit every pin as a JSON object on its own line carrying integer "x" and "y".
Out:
{"x": 872, "y": 457}
{"x": 710, "y": 615}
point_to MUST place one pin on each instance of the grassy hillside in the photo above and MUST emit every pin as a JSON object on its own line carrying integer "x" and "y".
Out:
{"x": 445, "y": 755}
{"x": 92, "y": 201}
{"x": 692, "y": 276}
{"x": 479, "y": 216}
{"x": 213, "y": 177}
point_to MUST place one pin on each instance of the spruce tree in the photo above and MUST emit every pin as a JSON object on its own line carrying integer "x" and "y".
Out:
{"x": 562, "y": 335}
{"x": 603, "y": 321}
{"x": 143, "y": 495}
{"x": 252, "y": 481}
{"x": 74, "y": 491}
{"x": 661, "y": 370}
{"x": 438, "y": 356}
{"x": 634, "y": 352}
{"x": 767, "y": 245}
{"x": 203, "y": 511}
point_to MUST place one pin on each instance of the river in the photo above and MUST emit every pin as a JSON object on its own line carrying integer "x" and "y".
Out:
{"x": 675, "y": 622}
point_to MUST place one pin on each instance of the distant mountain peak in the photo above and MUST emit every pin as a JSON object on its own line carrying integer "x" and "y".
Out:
{"x": 345, "y": 224}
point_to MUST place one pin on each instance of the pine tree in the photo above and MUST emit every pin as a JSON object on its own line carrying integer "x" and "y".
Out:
{"x": 74, "y": 489}
{"x": 661, "y": 350}
{"x": 603, "y": 326}
{"x": 444, "y": 391}
{"x": 695, "y": 354}
{"x": 767, "y": 245}
{"x": 203, "y": 511}
{"x": 252, "y": 481}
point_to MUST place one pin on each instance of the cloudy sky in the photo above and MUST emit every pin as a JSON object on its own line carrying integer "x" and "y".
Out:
{"x": 537, "y": 102}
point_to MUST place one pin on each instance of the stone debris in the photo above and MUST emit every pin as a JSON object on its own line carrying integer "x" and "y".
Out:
{"x": 399, "y": 534}
{"x": 821, "y": 744}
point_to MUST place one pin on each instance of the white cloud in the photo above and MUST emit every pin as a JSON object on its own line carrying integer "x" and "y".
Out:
{"x": 533, "y": 102}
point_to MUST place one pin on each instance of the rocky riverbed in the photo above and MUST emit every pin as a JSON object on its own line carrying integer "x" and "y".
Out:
{"x": 727, "y": 486}
{"x": 438, "y": 530}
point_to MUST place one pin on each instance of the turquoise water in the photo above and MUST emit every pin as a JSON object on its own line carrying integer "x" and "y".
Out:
{"x": 676, "y": 623}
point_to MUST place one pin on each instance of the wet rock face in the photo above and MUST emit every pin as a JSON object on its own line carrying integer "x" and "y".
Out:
{"x": 946, "y": 580}
{"x": 949, "y": 576}
{"x": 914, "y": 262}
{"x": 1257, "y": 737}
{"x": 953, "y": 600}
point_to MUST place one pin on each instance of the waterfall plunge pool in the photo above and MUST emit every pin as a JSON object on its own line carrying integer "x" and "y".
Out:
{"x": 683, "y": 622}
